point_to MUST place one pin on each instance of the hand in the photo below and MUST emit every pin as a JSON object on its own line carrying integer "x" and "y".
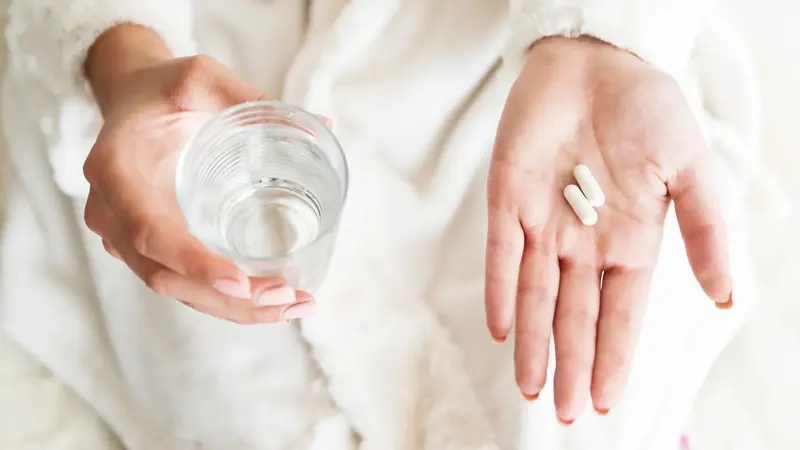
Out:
{"x": 584, "y": 101}
{"x": 151, "y": 103}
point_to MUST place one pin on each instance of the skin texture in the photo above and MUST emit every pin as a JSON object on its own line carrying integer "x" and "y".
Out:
{"x": 584, "y": 101}
{"x": 151, "y": 103}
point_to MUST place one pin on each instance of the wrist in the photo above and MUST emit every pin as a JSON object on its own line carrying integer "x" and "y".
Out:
{"x": 582, "y": 51}
{"x": 118, "y": 52}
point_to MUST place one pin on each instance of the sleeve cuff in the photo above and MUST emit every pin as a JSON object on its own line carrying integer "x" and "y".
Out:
{"x": 660, "y": 32}
{"x": 49, "y": 39}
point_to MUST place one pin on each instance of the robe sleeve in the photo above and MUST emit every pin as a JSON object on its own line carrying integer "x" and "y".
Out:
{"x": 47, "y": 43}
{"x": 662, "y": 32}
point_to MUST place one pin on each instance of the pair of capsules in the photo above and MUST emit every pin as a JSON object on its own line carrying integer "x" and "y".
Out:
{"x": 587, "y": 197}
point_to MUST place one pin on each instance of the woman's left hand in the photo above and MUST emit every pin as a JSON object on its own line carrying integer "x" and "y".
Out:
{"x": 581, "y": 101}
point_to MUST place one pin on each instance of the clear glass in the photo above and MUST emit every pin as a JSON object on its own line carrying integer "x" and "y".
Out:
{"x": 264, "y": 184}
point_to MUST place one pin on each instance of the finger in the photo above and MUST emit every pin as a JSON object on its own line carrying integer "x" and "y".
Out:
{"x": 503, "y": 254}
{"x": 167, "y": 283}
{"x": 622, "y": 303}
{"x": 262, "y": 314}
{"x": 232, "y": 88}
{"x": 209, "y": 85}
{"x": 272, "y": 292}
{"x": 536, "y": 300}
{"x": 116, "y": 240}
{"x": 111, "y": 250}
{"x": 702, "y": 227}
{"x": 574, "y": 330}
{"x": 98, "y": 219}
{"x": 160, "y": 236}
{"x": 96, "y": 215}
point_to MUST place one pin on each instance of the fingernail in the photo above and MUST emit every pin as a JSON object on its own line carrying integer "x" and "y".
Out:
{"x": 276, "y": 295}
{"x": 566, "y": 422}
{"x": 328, "y": 122}
{"x": 232, "y": 288}
{"x": 530, "y": 398}
{"x": 499, "y": 340}
{"x": 298, "y": 310}
{"x": 602, "y": 411}
{"x": 726, "y": 305}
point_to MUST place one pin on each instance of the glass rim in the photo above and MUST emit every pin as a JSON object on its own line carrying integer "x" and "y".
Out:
{"x": 233, "y": 111}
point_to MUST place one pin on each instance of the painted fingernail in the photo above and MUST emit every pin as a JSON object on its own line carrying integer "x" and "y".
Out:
{"x": 499, "y": 340}
{"x": 726, "y": 305}
{"x": 566, "y": 422}
{"x": 298, "y": 310}
{"x": 232, "y": 288}
{"x": 602, "y": 411}
{"x": 276, "y": 295}
{"x": 530, "y": 398}
{"x": 328, "y": 122}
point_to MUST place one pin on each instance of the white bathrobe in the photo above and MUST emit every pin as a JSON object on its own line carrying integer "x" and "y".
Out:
{"x": 397, "y": 356}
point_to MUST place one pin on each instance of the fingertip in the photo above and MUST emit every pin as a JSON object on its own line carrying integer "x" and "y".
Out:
{"x": 530, "y": 397}
{"x": 565, "y": 422}
{"x": 498, "y": 338}
{"x": 602, "y": 411}
{"x": 498, "y": 332}
{"x": 727, "y": 304}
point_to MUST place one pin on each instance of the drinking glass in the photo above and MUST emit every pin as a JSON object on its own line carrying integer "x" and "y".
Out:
{"x": 263, "y": 184}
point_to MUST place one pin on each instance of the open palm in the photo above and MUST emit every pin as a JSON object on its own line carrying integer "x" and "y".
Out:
{"x": 581, "y": 101}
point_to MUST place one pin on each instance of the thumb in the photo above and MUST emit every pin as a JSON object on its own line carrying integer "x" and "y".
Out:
{"x": 701, "y": 224}
{"x": 225, "y": 86}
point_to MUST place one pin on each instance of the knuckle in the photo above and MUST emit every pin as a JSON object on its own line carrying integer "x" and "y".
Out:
{"x": 141, "y": 234}
{"x": 159, "y": 282}
{"x": 537, "y": 238}
{"x": 229, "y": 302}
{"x": 244, "y": 317}
{"x": 502, "y": 246}
{"x": 92, "y": 165}
{"x": 194, "y": 72}
{"x": 193, "y": 306}
{"x": 576, "y": 320}
{"x": 111, "y": 250}
{"x": 91, "y": 219}
{"x": 89, "y": 169}
{"x": 198, "y": 64}
{"x": 534, "y": 293}
{"x": 102, "y": 164}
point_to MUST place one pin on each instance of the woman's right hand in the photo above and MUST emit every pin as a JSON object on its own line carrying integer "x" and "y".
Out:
{"x": 151, "y": 103}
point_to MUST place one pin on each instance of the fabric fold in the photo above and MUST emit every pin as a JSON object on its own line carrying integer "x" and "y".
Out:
{"x": 662, "y": 33}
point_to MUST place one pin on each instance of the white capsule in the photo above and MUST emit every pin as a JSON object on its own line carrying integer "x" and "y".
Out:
{"x": 589, "y": 185}
{"x": 583, "y": 209}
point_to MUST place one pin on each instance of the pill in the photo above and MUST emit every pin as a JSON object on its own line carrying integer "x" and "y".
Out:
{"x": 589, "y": 185}
{"x": 583, "y": 209}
